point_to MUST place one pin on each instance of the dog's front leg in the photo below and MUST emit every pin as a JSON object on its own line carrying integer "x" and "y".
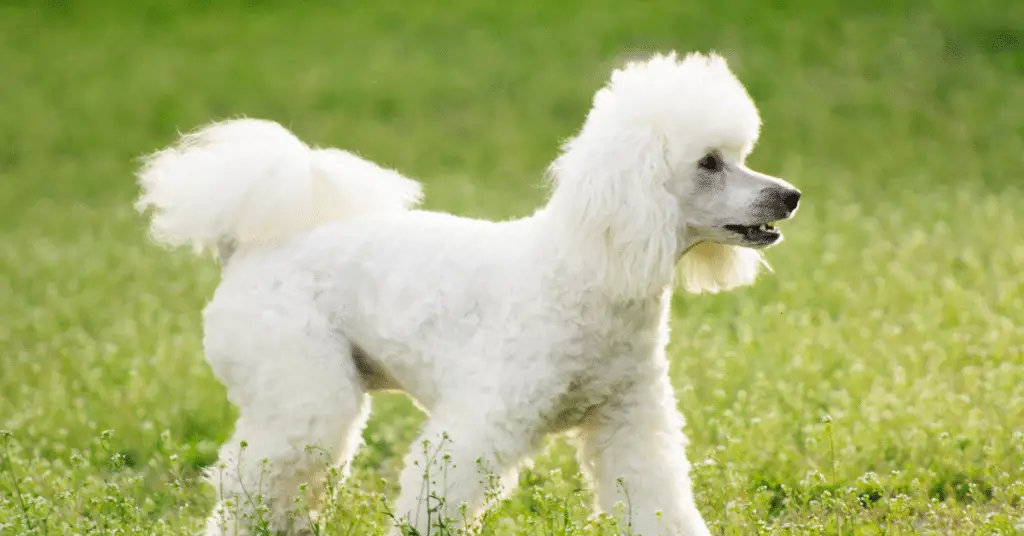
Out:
{"x": 633, "y": 448}
{"x": 464, "y": 456}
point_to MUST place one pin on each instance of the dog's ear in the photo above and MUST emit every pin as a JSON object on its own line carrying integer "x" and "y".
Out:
{"x": 620, "y": 211}
{"x": 712, "y": 267}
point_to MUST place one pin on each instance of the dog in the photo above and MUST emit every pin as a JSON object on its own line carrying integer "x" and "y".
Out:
{"x": 334, "y": 285}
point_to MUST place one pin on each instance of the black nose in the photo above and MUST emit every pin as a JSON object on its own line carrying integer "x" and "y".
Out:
{"x": 791, "y": 199}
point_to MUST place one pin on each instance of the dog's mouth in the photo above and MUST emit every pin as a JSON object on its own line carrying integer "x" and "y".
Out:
{"x": 764, "y": 234}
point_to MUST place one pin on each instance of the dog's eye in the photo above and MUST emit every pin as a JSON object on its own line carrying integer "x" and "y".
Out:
{"x": 710, "y": 162}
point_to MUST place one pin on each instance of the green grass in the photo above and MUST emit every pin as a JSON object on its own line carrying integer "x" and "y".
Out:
{"x": 873, "y": 385}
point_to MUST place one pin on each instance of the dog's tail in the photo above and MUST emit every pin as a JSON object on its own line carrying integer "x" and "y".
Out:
{"x": 247, "y": 182}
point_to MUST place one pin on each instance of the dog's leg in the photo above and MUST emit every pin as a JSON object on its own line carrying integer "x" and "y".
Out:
{"x": 462, "y": 459}
{"x": 301, "y": 409}
{"x": 633, "y": 449}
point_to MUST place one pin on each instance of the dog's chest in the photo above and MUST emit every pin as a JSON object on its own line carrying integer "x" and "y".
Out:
{"x": 613, "y": 345}
{"x": 585, "y": 392}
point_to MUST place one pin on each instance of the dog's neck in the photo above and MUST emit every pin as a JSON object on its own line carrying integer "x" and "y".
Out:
{"x": 594, "y": 259}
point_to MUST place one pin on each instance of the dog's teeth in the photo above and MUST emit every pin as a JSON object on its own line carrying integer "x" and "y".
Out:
{"x": 764, "y": 227}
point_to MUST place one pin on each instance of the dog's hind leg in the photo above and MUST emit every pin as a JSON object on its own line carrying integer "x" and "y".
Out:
{"x": 301, "y": 407}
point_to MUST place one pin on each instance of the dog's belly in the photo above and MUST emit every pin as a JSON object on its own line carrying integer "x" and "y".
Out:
{"x": 565, "y": 367}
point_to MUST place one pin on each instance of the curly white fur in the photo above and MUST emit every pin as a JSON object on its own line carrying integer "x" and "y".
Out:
{"x": 251, "y": 181}
{"x": 502, "y": 331}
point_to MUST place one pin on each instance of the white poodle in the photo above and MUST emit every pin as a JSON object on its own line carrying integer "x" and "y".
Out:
{"x": 333, "y": 287}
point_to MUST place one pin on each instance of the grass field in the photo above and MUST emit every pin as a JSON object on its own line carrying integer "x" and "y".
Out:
{"x": 873, "y": 385}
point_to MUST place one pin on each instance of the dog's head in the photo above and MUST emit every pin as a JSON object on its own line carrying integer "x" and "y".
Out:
{"x": 659, "y": 169}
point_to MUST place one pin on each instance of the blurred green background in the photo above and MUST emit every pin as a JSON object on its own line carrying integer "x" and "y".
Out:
{"x": 895, "y": 310}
